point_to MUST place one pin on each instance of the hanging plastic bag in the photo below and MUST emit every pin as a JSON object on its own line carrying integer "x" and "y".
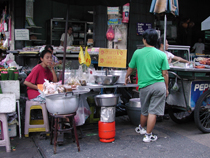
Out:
{"x": 110, "y": 34}
{"x": 87, "y": 58}
{"x": 118, "y": 35}
{"x": 81, "y": 56}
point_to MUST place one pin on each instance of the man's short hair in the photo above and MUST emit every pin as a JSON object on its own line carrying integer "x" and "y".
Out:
{"x": 70, "y": 27}
{"x": 151, "y": 36}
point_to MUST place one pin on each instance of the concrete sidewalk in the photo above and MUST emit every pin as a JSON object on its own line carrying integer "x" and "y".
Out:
{"x": 173, "y": 141}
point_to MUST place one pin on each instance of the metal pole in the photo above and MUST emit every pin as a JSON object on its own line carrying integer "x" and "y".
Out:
{"x": 65, "y": 45}
{"x": 165, "y": 27}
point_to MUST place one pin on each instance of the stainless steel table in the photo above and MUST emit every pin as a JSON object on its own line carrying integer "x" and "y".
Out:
{"x": 189, "y": 69}
{"x": 92, "y": 86}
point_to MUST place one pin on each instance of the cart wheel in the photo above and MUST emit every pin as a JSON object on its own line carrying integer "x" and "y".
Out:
{"x": 180, "y": 116}
{"x": 202, "y": 112}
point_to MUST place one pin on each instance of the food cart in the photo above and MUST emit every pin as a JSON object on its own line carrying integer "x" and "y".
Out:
{"x": 188, "y": 92}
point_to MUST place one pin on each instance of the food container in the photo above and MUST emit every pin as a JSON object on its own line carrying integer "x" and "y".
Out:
{"x": 63, "y": 103}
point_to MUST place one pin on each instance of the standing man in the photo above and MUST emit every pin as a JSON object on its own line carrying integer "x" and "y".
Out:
{"x": 199, "y": 46}
{"x": 152, "y": 66}
{"x": 70, "y": 38}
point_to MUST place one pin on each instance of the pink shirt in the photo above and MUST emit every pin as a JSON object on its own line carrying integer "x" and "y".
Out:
{"x": 37, "y": 76}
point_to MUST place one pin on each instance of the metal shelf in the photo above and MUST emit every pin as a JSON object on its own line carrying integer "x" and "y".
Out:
{"x": 68, "y": 55}
{"x": 35, "y": 27}
{"x": 33, "y": 33}
{"x": 56, "y": 31}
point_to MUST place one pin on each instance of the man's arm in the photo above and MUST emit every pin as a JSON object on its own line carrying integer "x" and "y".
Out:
{"x": 61, "y": 43}
{"x": 180, "y": 59}
{"x": 165, "y": 75}
{"x": 129, "y": 71}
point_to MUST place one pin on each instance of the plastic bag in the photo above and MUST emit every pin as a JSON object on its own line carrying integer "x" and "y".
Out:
{"x": 118, "y": 35}
{"x": 83, "y": 110}
{"x": 110, "y": 34}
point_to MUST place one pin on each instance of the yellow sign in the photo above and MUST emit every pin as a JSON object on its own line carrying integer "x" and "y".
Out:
{"x": 112, "y": 58}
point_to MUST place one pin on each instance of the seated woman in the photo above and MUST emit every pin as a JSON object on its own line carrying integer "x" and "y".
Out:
{"x": 54, "y": 58}
{"x": 170, "y": 56}
{"x": 44, "y": 70}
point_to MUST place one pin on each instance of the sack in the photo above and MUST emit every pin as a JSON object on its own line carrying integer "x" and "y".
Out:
{"x": 118, "y": 35}
{"x": 110, "y": 34}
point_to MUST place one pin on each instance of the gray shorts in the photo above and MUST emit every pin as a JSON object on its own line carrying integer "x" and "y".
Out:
{"x": 153, "y": 99}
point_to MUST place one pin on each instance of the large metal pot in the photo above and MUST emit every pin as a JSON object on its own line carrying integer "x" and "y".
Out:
{"x": 121, "y": 73}
{"x": 107, "y": 99}
{"x": 62, "y": 103}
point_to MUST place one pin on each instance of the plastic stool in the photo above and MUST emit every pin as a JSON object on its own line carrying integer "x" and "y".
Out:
{"x": 5, "y": 133}
{"x": 91, "y": 118}
{"x": 93, "y": 108}
{"x": 35, "y": 125}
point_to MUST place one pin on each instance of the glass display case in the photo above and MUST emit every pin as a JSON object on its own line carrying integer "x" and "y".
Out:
{"x": 180, "y": 51}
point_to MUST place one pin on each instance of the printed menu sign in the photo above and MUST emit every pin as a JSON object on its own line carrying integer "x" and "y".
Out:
{"x": 112, "y": 58}
{"x": 21, "y": 34}
{"x": 141, "y": 27}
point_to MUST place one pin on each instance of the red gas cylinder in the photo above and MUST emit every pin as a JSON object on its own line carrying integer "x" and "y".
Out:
{"x": 106, "y": 131}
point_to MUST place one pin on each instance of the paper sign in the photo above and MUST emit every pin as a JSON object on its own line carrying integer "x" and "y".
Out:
{"x": 112, "y": 58}
{"x": 112, "y": 10}
{"x": 21, "y": 34}
{"x": 114, "y": 21}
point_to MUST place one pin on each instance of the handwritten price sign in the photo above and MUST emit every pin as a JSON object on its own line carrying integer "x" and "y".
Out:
{"x": 112, "y": 58}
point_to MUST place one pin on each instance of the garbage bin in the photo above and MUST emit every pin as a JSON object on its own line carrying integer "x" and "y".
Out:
{"x": 133, "y": 109}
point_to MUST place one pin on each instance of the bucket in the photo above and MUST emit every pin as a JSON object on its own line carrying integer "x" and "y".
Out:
{"x": 106, "y": 131}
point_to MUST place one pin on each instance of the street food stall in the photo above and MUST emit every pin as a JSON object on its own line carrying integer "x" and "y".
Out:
{"x": 188, "y": 86}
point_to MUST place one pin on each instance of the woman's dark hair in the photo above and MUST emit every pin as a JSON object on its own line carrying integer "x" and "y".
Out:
{"x": 42, "y": 54}
{"x": 48, "y": 46}
{"x": 151, "y": 36}
{"x": 159, "y": 42}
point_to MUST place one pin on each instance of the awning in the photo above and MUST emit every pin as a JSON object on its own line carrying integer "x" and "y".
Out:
{"x": 205, "y": 25}
{"x": 110, "y": 3}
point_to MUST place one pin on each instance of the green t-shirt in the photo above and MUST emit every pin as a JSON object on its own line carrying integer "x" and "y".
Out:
{"x": 149, "y": 62}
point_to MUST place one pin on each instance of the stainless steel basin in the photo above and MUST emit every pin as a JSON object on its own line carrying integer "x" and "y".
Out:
{"x": 106, "y": 99}
{"x": 121, "y": 73}
{"x": 106, "y": 80}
